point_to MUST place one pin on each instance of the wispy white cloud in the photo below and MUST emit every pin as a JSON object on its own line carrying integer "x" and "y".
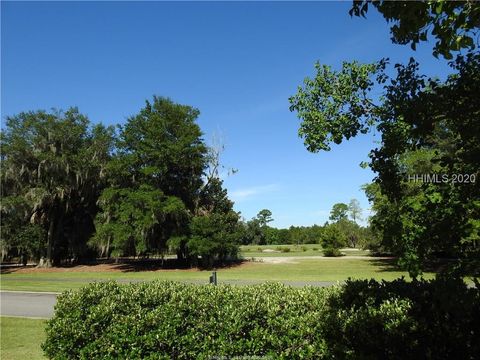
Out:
{"x": 245, "y": 193}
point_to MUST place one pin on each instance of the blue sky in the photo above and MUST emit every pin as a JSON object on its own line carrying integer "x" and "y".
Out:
{"x": 238, "y": 62}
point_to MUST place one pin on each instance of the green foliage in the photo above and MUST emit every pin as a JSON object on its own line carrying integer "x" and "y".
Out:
{"x": 453, "y": 24}
{"x": 252, "y": 233}
{"x": 360, "y": 320}
{"x": 371, "y": 239}
{"x": 437, "y": 136}
{"x": 30, "y": 242}
{"x": 256, "y": 231}
{"x": 355, "y": 210}
{"x": 54, "y": 165}
{"x": 16, "y": 231}
{"x": 19, "y": 236}
{"x": 353, "y": 233}
{"x": 58, "y": 172}
{"x": 179, "y": 321}
{"x": 264, "y": 217}
{"x": 136, "y": 221}
{"x": 332, "y": 240}
{"x": 273, "y": 236}
{"x": 433, "y": 124}
{"x": 304, "y": 234}
{"x": 435, "y": 319}
{"x": 158, "y": 199}
{"x": 425, "y": 125}
{"x": 336, "y": 105}
{"x": 162, "y": 146}
{"x": 214, "y": 198}
{"x": 331, "y": 252}
{"x": 213, "y": 237}
{"x": 339, "y": 211}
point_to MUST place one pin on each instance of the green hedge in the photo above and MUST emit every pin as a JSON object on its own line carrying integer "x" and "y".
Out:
{"x": 360, "y": 320}
{"x": 437, "y": 319}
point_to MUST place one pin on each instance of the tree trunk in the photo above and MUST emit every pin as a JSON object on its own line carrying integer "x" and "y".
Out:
{"x": 108, "y": 248}
{"x": 57, "y": 257}
{"x": 50, "y": 237}
{"x": 47, "y": 262}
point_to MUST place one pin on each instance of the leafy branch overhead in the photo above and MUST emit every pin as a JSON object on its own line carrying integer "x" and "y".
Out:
{"x": 415, "y": 117}
{"x": 337, "y": 105}
{"x": 426, "y": 126}
{"x": 453, "y": 24}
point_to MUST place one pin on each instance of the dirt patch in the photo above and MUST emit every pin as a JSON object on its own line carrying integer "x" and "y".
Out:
{"x": 78, "y": 268}
{"x": 112, "y": 267}
{"x": 296, "y": 259}
{"x": 278, "y": 260}
{"x": 155, "y": 266}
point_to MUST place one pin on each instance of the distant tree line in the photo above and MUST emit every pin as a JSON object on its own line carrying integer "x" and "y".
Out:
{"x": 342, "y": 230}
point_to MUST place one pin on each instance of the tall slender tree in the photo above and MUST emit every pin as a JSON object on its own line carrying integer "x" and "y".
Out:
{"x": 355, "y": 210}
{"x": 339, "y": 211}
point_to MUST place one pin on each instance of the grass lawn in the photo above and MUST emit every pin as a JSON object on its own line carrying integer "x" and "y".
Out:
{"x": 249, "y": 251}
{"x": 290, "y": 270}
{"x": 21, "y": 338}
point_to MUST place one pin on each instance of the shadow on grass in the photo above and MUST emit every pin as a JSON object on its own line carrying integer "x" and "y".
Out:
{"x": 432, "y": 266}
{"x": 132, "y": 265}
{"x": 386, "y": 265}
{"x": 123, "y": 265}
{"x": 12, "y": 268}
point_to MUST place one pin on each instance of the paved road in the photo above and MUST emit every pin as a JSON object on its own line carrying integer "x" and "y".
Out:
{"x": 40, "y": 305}
{"x": 27, "y": 304}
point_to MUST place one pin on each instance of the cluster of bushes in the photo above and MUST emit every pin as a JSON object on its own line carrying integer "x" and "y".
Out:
{"x": 436, "y": 319}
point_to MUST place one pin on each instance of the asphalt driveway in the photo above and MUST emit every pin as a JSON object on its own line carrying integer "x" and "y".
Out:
{"x": 27, "y": 304}
{"x": 40, "y": 304}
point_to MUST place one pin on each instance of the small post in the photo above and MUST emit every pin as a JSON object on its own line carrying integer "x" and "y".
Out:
{"x": 213, "y": 278}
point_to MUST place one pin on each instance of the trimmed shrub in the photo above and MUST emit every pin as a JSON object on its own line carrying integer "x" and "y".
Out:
{"x": 331, "y": 252}
{"x": 359, "y": 320}
{"x": 166, "y": 320}
{"x": 332, "y": 240}
{"x": 438, "y": 319}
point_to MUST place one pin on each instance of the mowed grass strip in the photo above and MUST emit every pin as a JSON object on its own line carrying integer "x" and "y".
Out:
{"x": 21, "y": 338}
{"x": 287, "y": 270}
{"x": 249, "y": 251}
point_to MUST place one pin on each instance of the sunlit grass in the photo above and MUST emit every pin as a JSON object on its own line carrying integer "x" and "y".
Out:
{"x": 21, "y": 338}
{"x": 249, "y": 251}
{"x": 291, "y": 271}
